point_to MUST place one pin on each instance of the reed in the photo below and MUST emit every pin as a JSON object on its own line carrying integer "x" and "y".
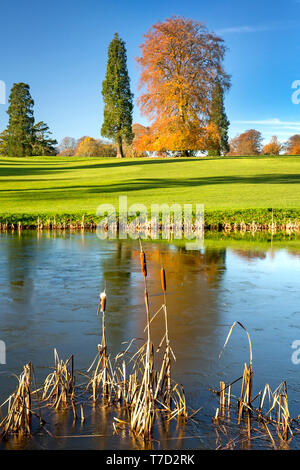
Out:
{"x": 153, "y": 391}
{"x": 167, "y": 356}
{"x": 273, "y": 409}
{"x": 58, "y": 387}
{"x": 277, "y": 410}
{"x": 101, "y": 382}
{"x": 19, "y": 412}
{"x": 142, "y": 410}
{"x": 130, "y": 382}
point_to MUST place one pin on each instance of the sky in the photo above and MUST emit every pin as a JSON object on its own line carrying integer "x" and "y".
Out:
{"x": 60, "y": 49}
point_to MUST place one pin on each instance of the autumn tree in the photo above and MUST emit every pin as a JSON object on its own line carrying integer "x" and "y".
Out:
{"x": 86, "y": 148}
{"x": 218, "y": 117}
{"x": 117, "y": 97}
{"x": 292, "y": 146}
{"x": 21, "y": 121}
{"x": 78, "y": 142}
{"x": 247, "y": 143}
{"x": 90, "y": 147}
{"x": 180, "y": 63}
{"x": 137, "y": 147}
{"x": 274, "y": 147}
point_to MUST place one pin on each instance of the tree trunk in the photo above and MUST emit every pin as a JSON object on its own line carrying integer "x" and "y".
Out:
{"x": 120, "y": 153}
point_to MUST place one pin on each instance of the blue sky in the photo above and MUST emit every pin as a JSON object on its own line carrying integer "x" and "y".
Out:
{"x": 60, "y": 49}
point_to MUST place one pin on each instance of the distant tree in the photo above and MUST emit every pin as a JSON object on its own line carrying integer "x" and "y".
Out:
{"x": 247, "y": 143}
{"x": 219, "y": 119}
{"x": 107, "y": 149}
{"x": 78, "y": 142}
{"x": 117, "y": 97}
{"x": 274, "y": 147}
{"x": 90, "y": 147}
{"x": 43, "y": 144}
{"x": 67, "y": 146}
{"x": 4, "y": 143}
{"x": 180, "y": 62}
{"x": 134, "y": 149}
{"x": 292, "y": 146}
{"x": 21, "y": 121}
{"x": 87, "y": 148}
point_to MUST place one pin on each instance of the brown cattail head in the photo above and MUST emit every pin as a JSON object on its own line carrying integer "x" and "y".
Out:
{"x": 143, "y": 263}
{"x": 163, "y": 279}
{"x": 103, "y": 301}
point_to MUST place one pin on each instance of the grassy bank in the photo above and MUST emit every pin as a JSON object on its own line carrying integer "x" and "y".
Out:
{"x": 233, "y": 189}
{"x": 218, "y": 219}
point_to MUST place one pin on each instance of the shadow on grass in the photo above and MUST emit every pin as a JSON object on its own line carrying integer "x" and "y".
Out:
{"x": 39, "y": 167}
{"x": 145, "y": 184}
{"x": 28, "y": 168}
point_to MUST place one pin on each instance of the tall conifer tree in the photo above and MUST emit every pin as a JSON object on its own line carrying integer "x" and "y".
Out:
{"x": 21, "y": 121}
{"x": 117, "y": 97}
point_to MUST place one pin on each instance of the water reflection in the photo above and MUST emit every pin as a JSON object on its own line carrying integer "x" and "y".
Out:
{"x": 49, "y": 287}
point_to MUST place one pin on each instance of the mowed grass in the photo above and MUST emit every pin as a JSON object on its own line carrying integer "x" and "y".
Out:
{"x": 48, "y": 185}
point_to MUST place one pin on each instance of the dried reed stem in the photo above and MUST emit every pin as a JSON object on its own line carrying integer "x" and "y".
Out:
{"x": 19, "y": 413}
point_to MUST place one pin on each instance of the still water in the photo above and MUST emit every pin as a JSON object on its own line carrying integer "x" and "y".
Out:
{"x": 49, "y": 288}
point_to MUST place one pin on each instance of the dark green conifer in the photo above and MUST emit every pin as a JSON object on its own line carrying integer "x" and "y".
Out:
{"x": 21, "y": 121}
{"x": 117, "y": 97}
{"x": 219, "y": 118}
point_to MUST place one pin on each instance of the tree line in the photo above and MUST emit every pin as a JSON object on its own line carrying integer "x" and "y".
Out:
{"x": 87, "y": 146}
{"x": 250, "y": 142}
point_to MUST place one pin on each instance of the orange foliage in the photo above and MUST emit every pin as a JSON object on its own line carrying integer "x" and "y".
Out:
{"x": 180, "y": 61}
{"x": 171, "y": 135}
{"x": 86, "y": 147}
{"x": 247, "y": 143}
{"x": 293, "y": 145}
{"x": 89, "y": 147}
{"x": 296, "y": 149}
{"x": 273, "y": 147}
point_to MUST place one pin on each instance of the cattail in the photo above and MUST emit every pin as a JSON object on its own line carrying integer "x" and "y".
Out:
{"x": 163, "y": 279}
{"x": 143, "y": 263}
{"x": 103, "y": 301}
{"x": 146, "y": 297}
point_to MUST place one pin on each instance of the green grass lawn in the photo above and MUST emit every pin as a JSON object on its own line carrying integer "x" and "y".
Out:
{"x": 48, "y": 185}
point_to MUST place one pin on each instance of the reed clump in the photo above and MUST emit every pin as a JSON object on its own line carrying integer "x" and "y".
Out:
{"x": 154, "y": 390}
{"x": 101, "y": 383}
{"x": 58, "y": 387}
{"x": 132, "y": 381}
{"x": 272, "y": 412}
{"x": 139, "y": 383}
{"x": 19, "y": 415}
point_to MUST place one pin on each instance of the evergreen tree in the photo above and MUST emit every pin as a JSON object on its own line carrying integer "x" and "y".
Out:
{"x": 117, "y": 97}
{"x": 219, "y": 119}
{"x": 4, "y": 143}
{"x": 43, "y": 144}
{"x": 21, "y": 121}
